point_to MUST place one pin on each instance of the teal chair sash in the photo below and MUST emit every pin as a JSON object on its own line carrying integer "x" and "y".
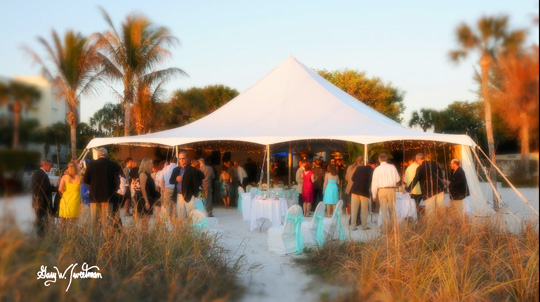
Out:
{"x": 201, "y": 225}
{"x": 239, "y": 208}
{"x": 319, "y": 238}
{"x": 199, "y": 205}
{"x": 339, "y": 224}
{"x": 297, "y": 220}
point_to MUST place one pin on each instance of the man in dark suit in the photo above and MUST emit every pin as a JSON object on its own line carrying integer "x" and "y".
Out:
{"x": 361, "y": 183}
{"x": 459, "y": 189}
{"x": 42, "y": 195}
{"x": 185, "y": 179}
{"x": 102, "y": 177}
{"x": 429, "y": 176}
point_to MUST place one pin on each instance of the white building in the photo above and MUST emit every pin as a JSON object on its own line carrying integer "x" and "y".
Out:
{"x": 48, "y": 111}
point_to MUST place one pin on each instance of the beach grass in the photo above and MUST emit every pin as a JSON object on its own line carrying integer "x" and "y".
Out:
{"x": 443, "y": 259}
{"x": 169, "y": 262}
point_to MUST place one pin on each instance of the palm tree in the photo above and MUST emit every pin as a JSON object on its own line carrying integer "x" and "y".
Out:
{"x": 426, "y": 119}
{"x": 517, "y": 93}
{"x": 131, "y": 55}
{"x": 73, "y": 73}
{"x": 491, "y": 36}
{"x": 145, "y": 105}
{"x": 21, "y": 96}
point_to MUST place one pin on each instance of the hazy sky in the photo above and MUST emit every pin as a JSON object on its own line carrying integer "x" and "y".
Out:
{"x": 236, "y": 43}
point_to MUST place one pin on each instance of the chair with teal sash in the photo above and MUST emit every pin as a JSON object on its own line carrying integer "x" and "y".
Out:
{"x": 240, "y": 192}
{"x": 212, "y": 221}
{"x": 202, "y": 224}
{"x": 313, "y": 231}
{"x": 287, "y": 239}
{"x": 199, "y": 205}
{"x": 333, "y": 227}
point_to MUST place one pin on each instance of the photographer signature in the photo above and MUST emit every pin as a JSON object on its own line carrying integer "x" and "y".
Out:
{"x": 85, "y": 273}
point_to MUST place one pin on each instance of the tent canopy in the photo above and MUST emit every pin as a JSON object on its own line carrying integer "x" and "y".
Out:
{"x": 292, "y": 102}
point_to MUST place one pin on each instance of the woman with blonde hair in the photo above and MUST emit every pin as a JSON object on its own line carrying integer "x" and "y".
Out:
{"x": 146, "y": 197}
{"x": 70, "y": 188}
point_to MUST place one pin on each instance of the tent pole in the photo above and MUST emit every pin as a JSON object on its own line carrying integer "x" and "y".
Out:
{"x": 365, "y": 155}
{"x": 268, "y": 167}
{"x": 83, "y": 155}
{"x": 290, "y": 164}
{"x": 176, "y": 151}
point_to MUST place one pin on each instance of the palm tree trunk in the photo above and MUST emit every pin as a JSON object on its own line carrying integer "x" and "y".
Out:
{"x": 16, "y": 124}
{"x": 128, "y": 95}
{"x": 485, "y": 62}
{"x": 72, "y": 120}
{"x": 524, "y": 137}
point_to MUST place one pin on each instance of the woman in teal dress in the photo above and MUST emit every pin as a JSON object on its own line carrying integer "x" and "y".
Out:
{"x": 330, "y": 189}
{"x": 225, "y": 188}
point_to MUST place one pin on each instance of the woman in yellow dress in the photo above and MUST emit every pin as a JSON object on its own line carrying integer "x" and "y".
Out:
{"x": 70, "y": 187}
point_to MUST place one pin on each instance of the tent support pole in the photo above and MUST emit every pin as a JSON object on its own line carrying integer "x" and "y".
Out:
{"x": 268, "y": 167}
{"x": 176, "y": 152}
{"x": 83, "y": 155}
{"x": 365, "y": 155}
{"x": 290, "y": 165}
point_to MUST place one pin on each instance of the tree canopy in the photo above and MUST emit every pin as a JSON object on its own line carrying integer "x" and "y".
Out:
{"x": 373, "y": 92}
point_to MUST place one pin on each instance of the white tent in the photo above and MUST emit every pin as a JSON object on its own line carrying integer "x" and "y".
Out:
{"x": 290, "y": 103}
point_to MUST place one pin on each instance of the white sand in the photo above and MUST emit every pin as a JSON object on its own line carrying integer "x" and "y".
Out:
{"x": 268, "y": 276}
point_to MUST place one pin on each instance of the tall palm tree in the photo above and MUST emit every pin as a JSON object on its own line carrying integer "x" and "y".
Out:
{"x": 490, "y": 37}
{"x": 132, "y": 54}
{"x": 73, "y": 72}
{"x": 20, "y": 96}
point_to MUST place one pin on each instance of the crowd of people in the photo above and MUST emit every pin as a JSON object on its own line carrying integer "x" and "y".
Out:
{"x": 144, "y": 188}
{"x": 168, "y": 188}
{"x": 378, "y": 182}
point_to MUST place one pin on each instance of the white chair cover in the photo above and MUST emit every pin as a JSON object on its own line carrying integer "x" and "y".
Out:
{"x": 287, "y": 239}
{"x": 313, "y": 231}
{"x": 246, "y": 205}
{"x": 253, "y": 191}
{"x": 333, "y": 227}
{"x": 201, "y": 223}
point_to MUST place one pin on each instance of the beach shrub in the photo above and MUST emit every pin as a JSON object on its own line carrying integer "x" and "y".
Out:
{"x": 445, "y": 260}
{"x": 166, "y": 263}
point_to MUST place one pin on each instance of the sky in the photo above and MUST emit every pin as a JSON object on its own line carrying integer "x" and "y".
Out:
{"x": 236, "y": 43}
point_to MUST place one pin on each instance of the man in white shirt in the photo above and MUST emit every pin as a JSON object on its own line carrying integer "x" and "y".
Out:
{"x": 241, "y": 174}
{"x": 168, "y": 204}
{"x": 383, "y": 184}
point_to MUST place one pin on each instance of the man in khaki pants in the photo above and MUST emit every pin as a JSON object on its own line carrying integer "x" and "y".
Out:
{"x": 383, "y": 184}
{"x": 360, "y": 184}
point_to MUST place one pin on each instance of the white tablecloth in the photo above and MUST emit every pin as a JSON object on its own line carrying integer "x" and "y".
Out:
{"x": 271, "y": 209}
{"x": 246, "y": 206}
{"x": 405, "y": 207}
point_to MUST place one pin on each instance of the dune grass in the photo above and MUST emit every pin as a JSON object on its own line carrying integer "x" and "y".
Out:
{"x": 444, "y": 259}
{"x": 165, "y": 263}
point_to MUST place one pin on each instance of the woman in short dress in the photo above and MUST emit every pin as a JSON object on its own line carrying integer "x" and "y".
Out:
{"x": 225, "y": 188}
{"x": 146, "y": 197}
{"x": 308, "y": 193}
{"x": 70, "y": 187}
{"x": 330, "y": 189}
